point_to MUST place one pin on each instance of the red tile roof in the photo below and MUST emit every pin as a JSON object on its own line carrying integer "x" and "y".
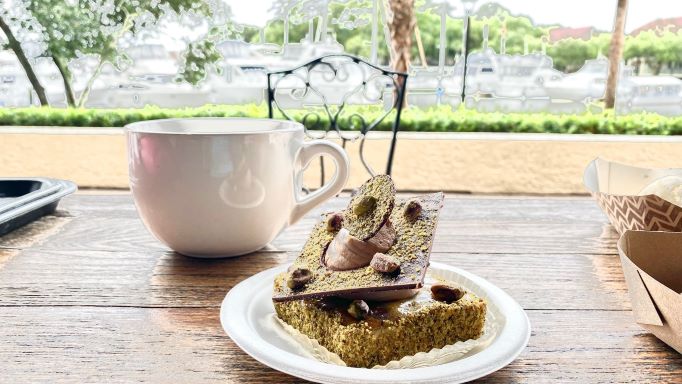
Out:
{"x": 561, "y": 33}
{"x": 674, "y": 23}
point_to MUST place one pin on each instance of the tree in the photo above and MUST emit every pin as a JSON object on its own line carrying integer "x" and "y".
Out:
{"x": 15, "y": 45}
{"x": 281, "y": 9}
{"x": 92, "y": 28}
{"x": 71, "y": 32}
{"x": 615, "y": 53}
{"x": 401, "y": 24}
{"x": 570, "y": 54}
{"x": 658, "y": 48}
{"x": 200, "y": 57}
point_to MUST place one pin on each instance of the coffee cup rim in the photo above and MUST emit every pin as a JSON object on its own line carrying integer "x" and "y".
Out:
{"x": 278, "y": 126}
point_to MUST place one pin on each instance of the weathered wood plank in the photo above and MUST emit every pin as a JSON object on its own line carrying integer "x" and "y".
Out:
{"x": 590, "y": 347}
{"x": 487, "y": 210}
{"x": 88, "y": 295}
{"x": 6, "y": 255}
{"x": 85, "y": 344}
{"x": 42, "y": 277}
{"x": 124, "y": 235}
{"x": 459, "y": 206}
{"x": 36, "y": 232}
{"x": 498, "y": 237}
{"x": 472, "y": 225}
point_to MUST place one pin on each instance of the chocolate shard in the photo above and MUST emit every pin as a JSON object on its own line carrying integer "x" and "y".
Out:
{"x": 412, "y": 249}
{"x": 369, "y": 209}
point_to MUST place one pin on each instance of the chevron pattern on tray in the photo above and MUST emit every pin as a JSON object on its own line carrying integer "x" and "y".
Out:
{"x": 643, "y": 213}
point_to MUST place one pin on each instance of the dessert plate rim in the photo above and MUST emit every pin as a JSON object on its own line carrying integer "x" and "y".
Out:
{"x": 509, "y": 343}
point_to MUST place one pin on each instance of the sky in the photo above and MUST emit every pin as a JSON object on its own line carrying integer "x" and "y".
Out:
{"x": 572, "y": 13}
{"x": 596, "y": 13}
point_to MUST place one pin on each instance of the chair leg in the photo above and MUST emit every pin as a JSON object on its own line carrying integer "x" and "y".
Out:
{"x": 391, "y": 151}
{"x": 396, "y": 122}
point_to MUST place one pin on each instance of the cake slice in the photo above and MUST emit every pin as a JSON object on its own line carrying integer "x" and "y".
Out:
{"x": 385, "y": 331}
{"x": 357, "y": 287}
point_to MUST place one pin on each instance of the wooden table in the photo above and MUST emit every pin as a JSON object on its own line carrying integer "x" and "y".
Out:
{"x": 87, "y": 295}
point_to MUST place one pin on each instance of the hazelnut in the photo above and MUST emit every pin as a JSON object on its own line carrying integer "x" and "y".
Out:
{"x": 365, "y": 205}
{"x": 412, "y": 210}
{"x": 358, "y": 309}
{"x": 384, "y": 263}
{"x": 334, "y": 222}
{"x": 298, "y": 278}
{"x": 446, "y": 293}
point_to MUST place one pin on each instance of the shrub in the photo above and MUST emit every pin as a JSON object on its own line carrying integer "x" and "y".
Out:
{"x": 438, "y": 119}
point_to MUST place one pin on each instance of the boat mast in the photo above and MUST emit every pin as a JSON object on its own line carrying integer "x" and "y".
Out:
{"x": 311, "y": 30}
{"x": 442, "y": 8}
{"x": 322, "y": 26}
{"x": 485, "y": 37}
{"x": 375, "y": 31}
{"x": 442, "y": 47}
{"x": 286, "y": 26}
{"x": 383, "y": 6}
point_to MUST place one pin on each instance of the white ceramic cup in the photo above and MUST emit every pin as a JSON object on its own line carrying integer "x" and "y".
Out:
{"x": 218, "y": 187}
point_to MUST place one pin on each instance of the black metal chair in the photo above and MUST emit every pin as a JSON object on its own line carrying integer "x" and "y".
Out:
{"x": 323, "y": 88}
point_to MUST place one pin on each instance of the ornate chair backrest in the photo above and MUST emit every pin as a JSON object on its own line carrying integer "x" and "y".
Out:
{"x": 325, "y": 90}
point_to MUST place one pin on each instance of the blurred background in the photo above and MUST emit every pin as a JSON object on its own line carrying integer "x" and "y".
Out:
{"x": 523, "y": 56}
{"x": 492, "y": 91}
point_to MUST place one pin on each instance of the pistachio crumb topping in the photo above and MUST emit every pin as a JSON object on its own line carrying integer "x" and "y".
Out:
{"x": 370, "y": 207}
{"x": 410, "y": 250}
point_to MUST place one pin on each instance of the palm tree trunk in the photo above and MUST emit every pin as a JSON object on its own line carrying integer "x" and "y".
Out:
{"x": 66, "y": 77}
{"x": 615, "y": 53}
{"x": 401, "y": 26}
{"x": 23, "y": 60}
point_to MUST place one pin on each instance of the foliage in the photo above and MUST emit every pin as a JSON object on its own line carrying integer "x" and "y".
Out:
{"x": 659, "y": 48}
{"x": 198, "y": 61}
{"x": 441, "y": 119}
{"x": 517, "y": 30}
{"x": 93, "y": 28}
{"x": 570, "y": 54}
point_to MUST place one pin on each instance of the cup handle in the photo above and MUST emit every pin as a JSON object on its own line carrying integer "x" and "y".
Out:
{"x": 310, "y": 150}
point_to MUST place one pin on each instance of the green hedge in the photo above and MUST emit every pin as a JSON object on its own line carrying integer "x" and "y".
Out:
{"x": 441, "y": 119}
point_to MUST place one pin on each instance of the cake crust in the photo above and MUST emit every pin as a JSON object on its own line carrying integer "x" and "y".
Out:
{"x": 390, "y": 331}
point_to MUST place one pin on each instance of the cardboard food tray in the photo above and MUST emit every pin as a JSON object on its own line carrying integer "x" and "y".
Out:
{"x": 615, "y": 187}
{"x": 652, "y": 264}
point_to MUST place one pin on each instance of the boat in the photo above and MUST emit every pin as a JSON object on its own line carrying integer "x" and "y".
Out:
{"x": 428, "y": 86}
{"x": 15, "y": 89}
{"x": 659, "y": 94}
{"x": 151, "y": 79}
{"x": 243, "y": 77}
{"x": 508, "y": 76}
{"x": 587, "y": 83}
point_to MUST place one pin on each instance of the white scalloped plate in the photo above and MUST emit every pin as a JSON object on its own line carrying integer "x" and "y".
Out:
{"x": 247, "y": 311}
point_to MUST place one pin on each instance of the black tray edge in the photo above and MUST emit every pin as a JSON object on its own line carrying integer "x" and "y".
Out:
{"x": 35, "y": 209}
